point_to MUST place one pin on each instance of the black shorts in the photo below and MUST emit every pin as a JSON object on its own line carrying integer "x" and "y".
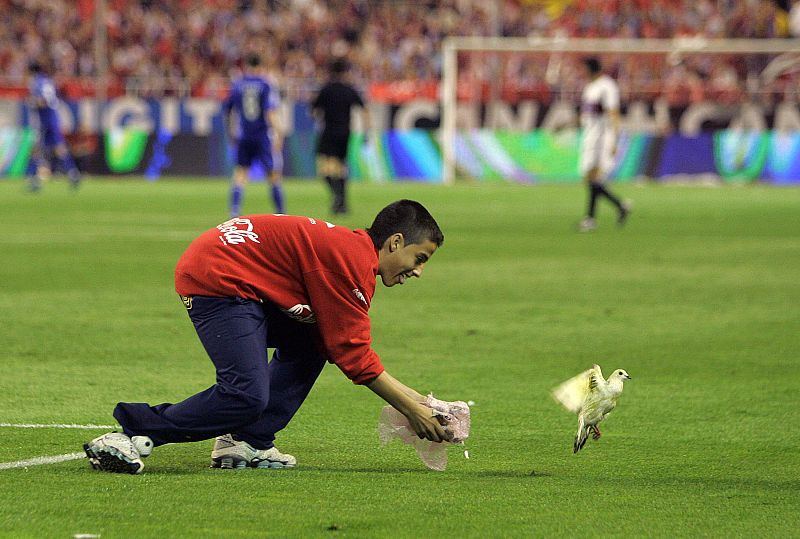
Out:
{"x": 333, "y": 144}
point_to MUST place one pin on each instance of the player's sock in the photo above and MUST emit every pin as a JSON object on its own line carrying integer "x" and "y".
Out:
{"x": 593, "y": 194}
{"x": 37, "y": 174}
{"x": 329, "y": 183}
{"x": 74, "y": 176}
{"x": 606, "y": 193}
{"x": 237, "y": 194}
{"x": 339, "y": 187}
{"x": 277, "y": 198}
{"x": 68, "y": 165}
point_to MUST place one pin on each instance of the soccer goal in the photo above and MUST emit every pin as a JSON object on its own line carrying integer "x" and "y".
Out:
{"x": 510, "y": 106}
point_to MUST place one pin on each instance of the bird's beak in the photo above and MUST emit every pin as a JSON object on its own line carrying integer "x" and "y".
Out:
{"x": 628, "y": 376}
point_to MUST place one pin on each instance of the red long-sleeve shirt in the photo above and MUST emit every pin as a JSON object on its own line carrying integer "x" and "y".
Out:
{"x": 314, "y": 271}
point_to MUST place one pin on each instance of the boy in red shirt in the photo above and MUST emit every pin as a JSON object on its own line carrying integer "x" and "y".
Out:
{"x": 296, "y": 284}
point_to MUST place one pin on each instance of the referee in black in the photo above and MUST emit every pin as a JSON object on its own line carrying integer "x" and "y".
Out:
{"x": 333, "y": 105}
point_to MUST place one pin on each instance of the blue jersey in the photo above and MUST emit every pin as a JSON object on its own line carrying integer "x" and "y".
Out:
{"x": 43, "y": 92}
{"x": 252, "y": 97}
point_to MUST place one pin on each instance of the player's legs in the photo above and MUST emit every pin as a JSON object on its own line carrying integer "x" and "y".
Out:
{"x": 246, "y": 150}
{"x": 273, "y": 164}
{"x": 589, "y": 168}
{"x": 67, "y": 163}
{"x": 592, "y": 183}
{"x": 234, "y": 333}
{"x": 238, "y": 184}
{"x": 340, "y": 182}
{"x": 331, "y": 169}
{"x": 607, "y": 163}
{"x": 290, "y": 380}
{"x": 597, "y": 160}
{"x": 604, "y": 191}
{"x": 295, "y": 367}
{"x": 332, "y": 165}
{"x": 54, "y": 155}
{"x": 276, "y": 191}
{"x": 598, "y": 189}
{"x": 39, "y": 169}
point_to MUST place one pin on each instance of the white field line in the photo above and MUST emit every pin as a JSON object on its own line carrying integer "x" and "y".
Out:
{"x": 55, "y": 426}
{"x": 36, "y": 461}
{"x": 55, "y": 459}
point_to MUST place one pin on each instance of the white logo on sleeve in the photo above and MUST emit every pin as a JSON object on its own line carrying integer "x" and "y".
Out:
{"x": 237, "y": 230}
{"x": 359, "y": 295}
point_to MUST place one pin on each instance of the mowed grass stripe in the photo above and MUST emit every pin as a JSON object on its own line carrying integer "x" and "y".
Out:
{"x": 696, "y": 298}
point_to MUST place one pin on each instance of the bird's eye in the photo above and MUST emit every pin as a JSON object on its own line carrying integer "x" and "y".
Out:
{"x": 620, "y": 373}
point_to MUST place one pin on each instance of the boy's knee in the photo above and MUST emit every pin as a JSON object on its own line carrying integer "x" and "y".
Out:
{"x": 249, "y": 403}
{"x": 255, "y": 402}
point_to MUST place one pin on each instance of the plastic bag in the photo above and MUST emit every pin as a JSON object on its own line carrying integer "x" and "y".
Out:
{"x": 455, "y": 417}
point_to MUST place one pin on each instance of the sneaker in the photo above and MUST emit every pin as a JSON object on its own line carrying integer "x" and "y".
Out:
{"x": 624, "y": 211}
{"x": 115, "y": 452}
{"x": 143, "y": 444}
{"x": 587, "y": 225}
{"x": 229, "y": 453}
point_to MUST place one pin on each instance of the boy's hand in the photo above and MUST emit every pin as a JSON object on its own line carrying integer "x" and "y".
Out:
{"x": 426, "y": 423}
{"x": 423, "y": 419}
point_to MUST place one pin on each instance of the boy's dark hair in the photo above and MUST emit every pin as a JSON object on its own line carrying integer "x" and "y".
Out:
{"x": 408, "y": 217}
{"x": 35, "y": 67}
{"x": 252, "y": 60}
{"x": 592, "y": 64}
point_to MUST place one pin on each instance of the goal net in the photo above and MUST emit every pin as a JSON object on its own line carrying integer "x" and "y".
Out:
{"x": 510, "y": 106}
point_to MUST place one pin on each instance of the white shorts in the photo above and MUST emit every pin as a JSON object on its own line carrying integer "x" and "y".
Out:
{"x": 597, "y": 151}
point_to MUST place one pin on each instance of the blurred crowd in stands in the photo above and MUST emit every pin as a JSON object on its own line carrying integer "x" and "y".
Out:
{"x": 193, "y": 47}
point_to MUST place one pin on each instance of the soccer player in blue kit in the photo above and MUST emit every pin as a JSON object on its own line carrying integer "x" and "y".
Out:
{"x": 256, "y": 103}
{"x": 51, "y": 143}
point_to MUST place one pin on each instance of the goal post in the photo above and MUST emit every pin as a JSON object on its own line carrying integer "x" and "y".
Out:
{"x": 770, "y": 58}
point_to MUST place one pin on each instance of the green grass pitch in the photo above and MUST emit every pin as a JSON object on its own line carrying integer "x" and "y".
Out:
{"x": 697, "y": 297}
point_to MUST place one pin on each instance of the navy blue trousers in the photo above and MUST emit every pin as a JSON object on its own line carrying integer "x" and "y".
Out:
{"x": 253, "y": 398}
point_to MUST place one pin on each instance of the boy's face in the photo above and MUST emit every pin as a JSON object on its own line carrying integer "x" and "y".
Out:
{"x": 398, "y": 261}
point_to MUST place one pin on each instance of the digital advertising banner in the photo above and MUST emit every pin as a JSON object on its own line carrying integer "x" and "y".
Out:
{"x": 524, "y": 142}
{"x": 539, "y": 156}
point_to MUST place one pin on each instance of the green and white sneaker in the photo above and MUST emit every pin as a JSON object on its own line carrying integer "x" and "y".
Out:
{"x": 229, "y": 453}
{"x": 115, "y": 452}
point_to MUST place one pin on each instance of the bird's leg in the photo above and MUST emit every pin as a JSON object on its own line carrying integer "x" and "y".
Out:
{"x": 595, "y": 432}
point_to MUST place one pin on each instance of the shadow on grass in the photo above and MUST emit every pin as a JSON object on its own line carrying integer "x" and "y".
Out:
{"x": 422, "y": 470}
{"x": 722, "y": 486}
{"x": 187, "y": 471}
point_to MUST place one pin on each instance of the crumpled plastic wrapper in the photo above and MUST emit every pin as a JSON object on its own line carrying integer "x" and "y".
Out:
{"x": 454, "y": 416}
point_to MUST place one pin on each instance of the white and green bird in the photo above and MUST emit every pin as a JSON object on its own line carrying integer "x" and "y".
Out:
{"x": 592, "y": 397}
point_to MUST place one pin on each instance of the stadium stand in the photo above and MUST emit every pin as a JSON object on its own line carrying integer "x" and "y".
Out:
{"x": 188, "y": 47}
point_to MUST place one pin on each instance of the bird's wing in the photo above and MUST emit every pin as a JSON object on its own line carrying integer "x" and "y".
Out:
{"x": 573, "y": 392}
{"x": 595, "y": 377}
{"x": 598, "y": 401}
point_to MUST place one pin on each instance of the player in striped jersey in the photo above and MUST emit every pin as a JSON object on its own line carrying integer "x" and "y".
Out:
{"x": 600, "y": 122}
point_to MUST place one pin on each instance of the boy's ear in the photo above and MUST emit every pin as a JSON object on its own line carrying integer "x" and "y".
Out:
{"x": 396, "y": 241}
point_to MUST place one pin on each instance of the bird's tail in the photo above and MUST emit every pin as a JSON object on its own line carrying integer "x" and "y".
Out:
{"x": 581, "y": 437}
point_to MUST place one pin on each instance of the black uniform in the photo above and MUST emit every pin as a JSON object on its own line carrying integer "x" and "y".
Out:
{"x": 336, "y": 99}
